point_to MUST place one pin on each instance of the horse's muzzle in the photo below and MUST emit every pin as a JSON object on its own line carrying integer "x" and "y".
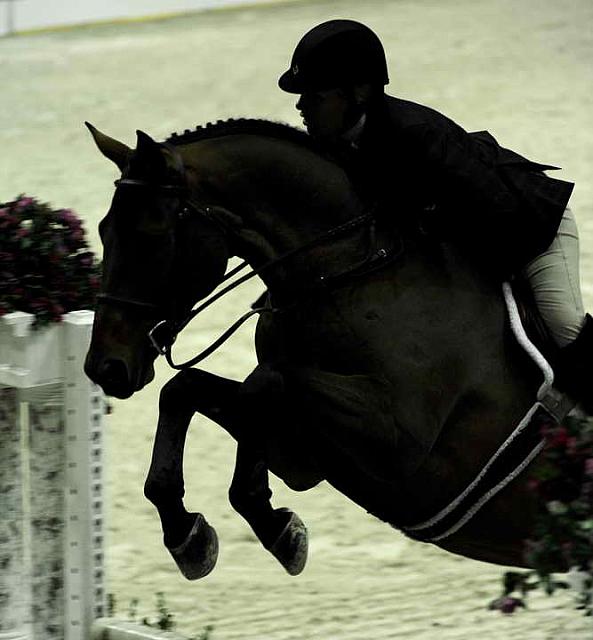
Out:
{"x": 112, "y": 376}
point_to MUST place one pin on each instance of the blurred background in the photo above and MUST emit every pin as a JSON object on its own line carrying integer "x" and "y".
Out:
{"x": 522, "y": 70}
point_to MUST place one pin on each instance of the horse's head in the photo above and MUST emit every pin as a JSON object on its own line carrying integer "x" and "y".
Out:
{"x": 158, "y": 260}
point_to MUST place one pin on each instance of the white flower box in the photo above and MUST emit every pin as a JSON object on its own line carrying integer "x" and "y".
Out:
{"x": 52, "y": 453}
{"x": 29, "y": 358}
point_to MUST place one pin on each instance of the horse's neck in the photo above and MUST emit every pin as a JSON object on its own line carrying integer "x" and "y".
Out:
{"x": 286, "y": 197}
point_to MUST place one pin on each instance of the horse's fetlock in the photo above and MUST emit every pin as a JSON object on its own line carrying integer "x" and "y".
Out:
{"x": 249, "y": 499}
{"x": 243, "y": 501}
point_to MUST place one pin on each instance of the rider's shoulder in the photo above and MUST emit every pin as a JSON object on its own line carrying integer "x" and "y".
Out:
{"x": 412, "y": 117}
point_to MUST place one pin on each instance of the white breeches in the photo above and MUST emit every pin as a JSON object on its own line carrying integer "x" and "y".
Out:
{"x": 554, "y": 279}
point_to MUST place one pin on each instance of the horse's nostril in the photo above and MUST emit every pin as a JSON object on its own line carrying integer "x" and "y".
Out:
{"x": 113, "y": 374}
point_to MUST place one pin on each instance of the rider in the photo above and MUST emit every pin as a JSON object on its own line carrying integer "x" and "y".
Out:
{"x": 495, "y": 204}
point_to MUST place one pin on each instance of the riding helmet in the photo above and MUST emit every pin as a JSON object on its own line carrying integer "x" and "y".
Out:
{"x": 335, "y": 54}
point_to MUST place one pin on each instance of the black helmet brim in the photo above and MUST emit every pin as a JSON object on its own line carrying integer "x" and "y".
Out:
{"x": 287, "y": 82}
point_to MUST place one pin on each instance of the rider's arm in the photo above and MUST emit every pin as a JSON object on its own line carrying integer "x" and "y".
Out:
{"x": 481, "y": 212}
{"x": 462, "y": 178}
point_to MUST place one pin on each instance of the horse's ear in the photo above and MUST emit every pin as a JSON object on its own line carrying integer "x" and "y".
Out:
{"x": 116, "y": 151}
{"x": 150, "y": 151}
{"x": 146, "y": 145}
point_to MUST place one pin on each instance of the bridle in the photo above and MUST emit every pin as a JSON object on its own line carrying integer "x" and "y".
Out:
{"x": 163, "y": 335}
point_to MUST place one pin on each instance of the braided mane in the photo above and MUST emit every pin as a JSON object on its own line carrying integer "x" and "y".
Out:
{"x": 246, "y": 126}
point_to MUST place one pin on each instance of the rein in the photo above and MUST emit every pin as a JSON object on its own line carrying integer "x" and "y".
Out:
{"x": 164, "y": 334}
{"x": 170, "y": 330}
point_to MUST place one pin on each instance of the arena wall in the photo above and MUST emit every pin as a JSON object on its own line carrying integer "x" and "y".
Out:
{"x": 25, "y": 15}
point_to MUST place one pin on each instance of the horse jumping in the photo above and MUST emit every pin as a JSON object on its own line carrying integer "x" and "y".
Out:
{"x": 386, "y": 363}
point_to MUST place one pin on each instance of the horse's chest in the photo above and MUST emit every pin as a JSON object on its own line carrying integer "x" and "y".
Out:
{"x": 312, "y": 336}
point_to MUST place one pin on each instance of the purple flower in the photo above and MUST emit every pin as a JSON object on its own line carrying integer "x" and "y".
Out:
{"x": 506, "y": 604}
{"x": 557, "y": 438}
{"x": 563, "y": 531}
{"x": 8, "y": 220}
{"x": 77, "y": 235}
{"x": 85, "y": 259}
{"x": 56, "y": 273}
{"x": 24, "y": 202}
{"x": 68, "y": 217}
{"x": 572, "y": 446}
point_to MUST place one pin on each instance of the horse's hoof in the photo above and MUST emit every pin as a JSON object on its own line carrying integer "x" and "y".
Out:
{"x": 196, "y": 556}
{"x": 292, "y": 545}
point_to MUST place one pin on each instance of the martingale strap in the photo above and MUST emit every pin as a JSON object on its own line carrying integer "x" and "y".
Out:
{"x": 513, "y": 456}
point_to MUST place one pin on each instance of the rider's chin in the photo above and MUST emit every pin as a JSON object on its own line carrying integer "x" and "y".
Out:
{"x": 314, "y": 131}
{"x": 309, "y": 125}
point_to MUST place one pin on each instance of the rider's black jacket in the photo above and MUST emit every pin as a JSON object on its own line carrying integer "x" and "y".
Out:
{"x": 497, "y": 205}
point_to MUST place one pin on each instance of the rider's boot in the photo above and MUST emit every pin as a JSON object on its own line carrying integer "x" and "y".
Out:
{"x": 574, "y": 367}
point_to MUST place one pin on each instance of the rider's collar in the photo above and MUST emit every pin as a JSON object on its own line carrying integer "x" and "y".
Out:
{"x": 354, "y": 134}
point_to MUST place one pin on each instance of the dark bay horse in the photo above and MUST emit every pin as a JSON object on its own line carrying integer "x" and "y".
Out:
{"x": 386, "y": 366}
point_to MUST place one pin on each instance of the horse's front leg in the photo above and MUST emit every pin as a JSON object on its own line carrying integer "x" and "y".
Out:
{"x": 281, "y": 531}
{"x": 190, "y": 539}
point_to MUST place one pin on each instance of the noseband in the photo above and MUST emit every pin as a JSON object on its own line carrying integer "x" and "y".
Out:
{"x": 163, "y": 335}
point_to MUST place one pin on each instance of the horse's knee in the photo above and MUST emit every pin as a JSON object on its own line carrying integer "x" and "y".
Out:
{"x": 161, "y": 491}
{"x": 193, "y": 387}
{"x": 176, "y": 391}
{"x": 241, "y": 500}
{"x": 154, "y": 491}
{"x": 236, "y": 498}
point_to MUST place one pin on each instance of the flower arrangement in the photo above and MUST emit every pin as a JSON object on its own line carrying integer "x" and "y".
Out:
{"x": 563, "y": 532}
{"x": 46, "y": 267}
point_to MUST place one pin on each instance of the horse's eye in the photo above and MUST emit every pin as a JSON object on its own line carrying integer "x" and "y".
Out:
{"x": 153, "y": 221}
